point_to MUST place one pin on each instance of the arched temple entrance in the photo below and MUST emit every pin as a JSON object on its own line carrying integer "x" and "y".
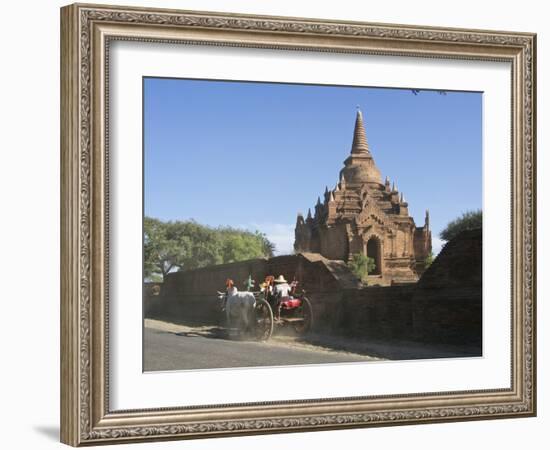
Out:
{"x": 373, "y": 251}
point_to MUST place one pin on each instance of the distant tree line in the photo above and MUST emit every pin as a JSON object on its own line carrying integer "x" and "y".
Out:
{"x": 185, "y": 245}
{"x": 469, "y": 220}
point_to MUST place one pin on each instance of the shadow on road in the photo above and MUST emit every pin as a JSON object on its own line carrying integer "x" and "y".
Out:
{"x": 210, "y": 332}
{"x": 392, "y": 349}
{"x": 387, "y": 348}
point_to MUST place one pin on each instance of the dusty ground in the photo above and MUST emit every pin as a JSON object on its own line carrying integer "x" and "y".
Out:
{"x": 170, "y": 346}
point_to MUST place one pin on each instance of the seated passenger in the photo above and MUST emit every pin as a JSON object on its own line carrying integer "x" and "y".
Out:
{"x": 280, "y": 290}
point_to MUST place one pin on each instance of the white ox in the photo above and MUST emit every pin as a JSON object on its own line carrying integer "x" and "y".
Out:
{"x": 239, "y": 308}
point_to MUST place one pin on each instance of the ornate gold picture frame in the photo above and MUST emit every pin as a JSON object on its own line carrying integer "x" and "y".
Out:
{"x": 87, "y": 32}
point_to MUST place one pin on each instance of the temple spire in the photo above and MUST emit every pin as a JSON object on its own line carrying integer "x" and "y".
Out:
{"x": 427, "y": 220}
{"x": 360, "y": 145}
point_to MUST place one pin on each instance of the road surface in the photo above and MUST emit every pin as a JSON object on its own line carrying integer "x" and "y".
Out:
{"x": 169, "y": 346}
{"x": 177, "y": 347}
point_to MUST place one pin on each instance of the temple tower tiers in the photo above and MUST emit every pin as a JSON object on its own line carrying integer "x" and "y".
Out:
{"x": 363, "y": 214}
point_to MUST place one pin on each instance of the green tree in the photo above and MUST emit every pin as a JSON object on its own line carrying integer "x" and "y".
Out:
{"x": 361, "y": 265}
{"x": 268, "y": 247}
{"x": 429, "y": 260}
{"x": 163, "y": 249}
{"x": 467, "y": 221}
{"x": 185, "y": 245}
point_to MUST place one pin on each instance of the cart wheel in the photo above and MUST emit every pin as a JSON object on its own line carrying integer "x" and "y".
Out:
{"x": 307, "y": 314}
{"x": 264, "y": 320}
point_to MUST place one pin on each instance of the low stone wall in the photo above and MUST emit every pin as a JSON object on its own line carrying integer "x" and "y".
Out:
{"x": 151, "y": 297}
{"x": 444, "y": 307}
{"x": 448, "y": 298}
{"x": 397, "y": 312}
{"x": 378, "y": 312}
{"x": 456, "y": 320}
{"x": 191, "y": 295}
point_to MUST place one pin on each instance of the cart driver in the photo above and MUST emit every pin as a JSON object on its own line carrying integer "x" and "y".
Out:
{"x": 281, "y": 290}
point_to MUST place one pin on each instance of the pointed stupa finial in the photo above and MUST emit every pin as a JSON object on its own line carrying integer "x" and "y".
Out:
{"x": 401, "y": 198}
{"x": 309, "y": 214}
{"x": 360, "y": 145}
{"x": 427, "y": 219}
{"x": 319, "y": 201}
{"x": 394, "y": 187}
{"x": 337, "y": 188}
{"x": 331, "y": 197}
{"x": 342, "y": 181}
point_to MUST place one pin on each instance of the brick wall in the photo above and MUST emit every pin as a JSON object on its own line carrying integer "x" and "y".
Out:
{"x": 151, "y": 297}
{"x": 448, "y": 297}
{"x": 445, "y": 306}
{"x": 191, "y": 295}
{"x": 376, "y": 311}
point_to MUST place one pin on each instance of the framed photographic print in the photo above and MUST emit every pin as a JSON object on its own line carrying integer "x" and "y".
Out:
{"x": 276, "y": 224}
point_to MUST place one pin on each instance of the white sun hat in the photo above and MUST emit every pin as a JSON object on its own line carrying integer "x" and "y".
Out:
{"x": 281, "y": 279}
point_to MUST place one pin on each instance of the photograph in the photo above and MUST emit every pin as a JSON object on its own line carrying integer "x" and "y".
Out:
{"x": 295, "y": 224}
{"x": 275, "y": 225}
{"x": 287, "y": 223}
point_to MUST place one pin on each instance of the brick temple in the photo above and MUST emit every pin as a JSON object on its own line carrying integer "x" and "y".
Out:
{"x": 363, "y": 214}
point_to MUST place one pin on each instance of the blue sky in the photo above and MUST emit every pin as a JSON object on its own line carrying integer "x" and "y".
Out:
{"x": 252, "y": 155}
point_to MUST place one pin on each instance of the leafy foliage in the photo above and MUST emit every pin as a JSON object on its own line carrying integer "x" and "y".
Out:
{"x": 469, "y": 220}
{"x": 361, "y": 265}
{"x": 429, "y": 260}
{"x": 184, "y": 245}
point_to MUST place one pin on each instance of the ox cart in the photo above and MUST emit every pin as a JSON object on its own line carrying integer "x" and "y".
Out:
{"x": 258, "y": 313}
